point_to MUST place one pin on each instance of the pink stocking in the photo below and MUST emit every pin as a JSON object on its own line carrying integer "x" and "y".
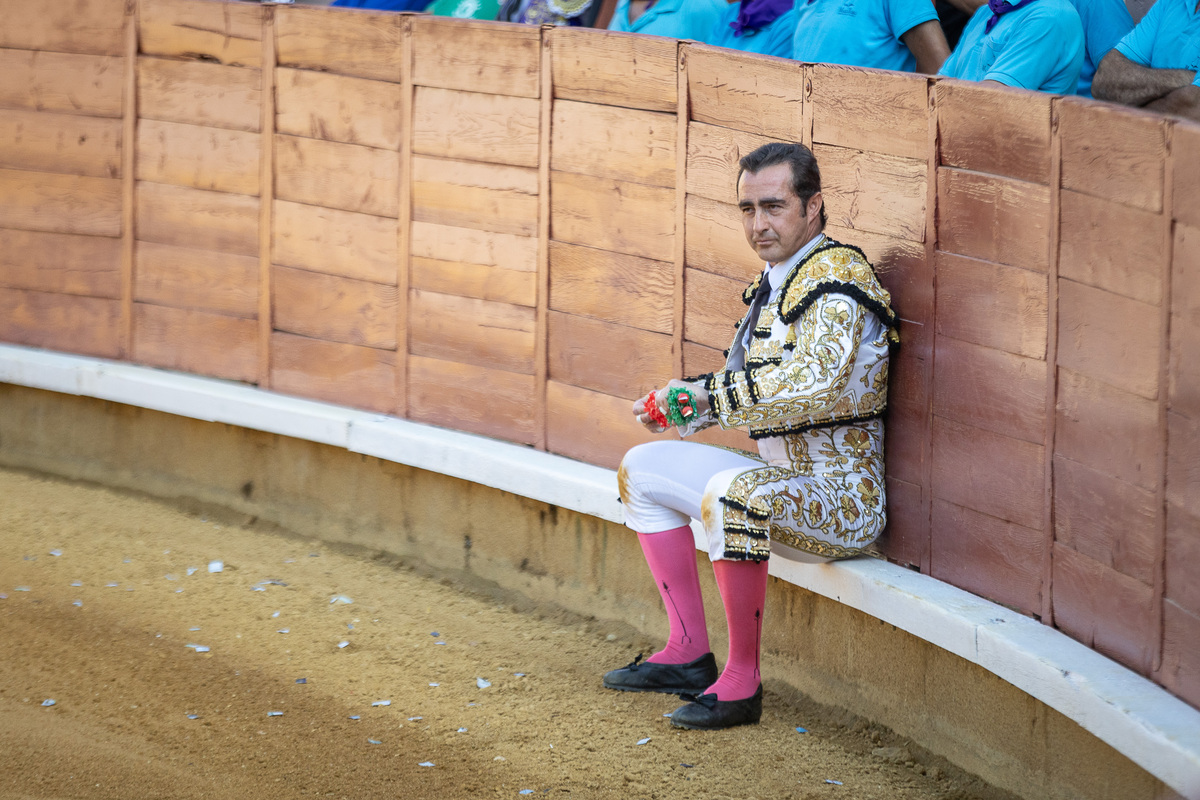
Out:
{"x": 743, "y": 586}
{"x": 672, "y": 559}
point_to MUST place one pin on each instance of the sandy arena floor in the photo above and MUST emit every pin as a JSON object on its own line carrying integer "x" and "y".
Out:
{"x": 438, "y": 694}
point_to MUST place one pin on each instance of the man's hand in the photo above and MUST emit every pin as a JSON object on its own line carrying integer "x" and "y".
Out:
{"x": 1119, "y": 80}
{"x": 660, "y": 400}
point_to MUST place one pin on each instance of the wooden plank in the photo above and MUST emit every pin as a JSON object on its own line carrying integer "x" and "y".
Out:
{"x": 337, "y": 108}
{"x": 1106, "y": 519}
{"x": 65, "y": 143}
{"x": 712, "y": 160}
{"x": 994, "y": 129}
{"x": 713, "y": 305}
{"x": 1183, "y": 469}
{"x": 480, "y": 281}
{"x": 994, "y": 219}
{"x": 1111, "y": 431}
{"x": 1181, "y": 653}
{"x": 266, "y": 206}
{"x": 181, "y": 277}
{"x": 1185, "y": 147}
{"x": 476, "y": 56}
{"x": 614, "y": 287}
{"x": 906, "y": 538}
{"x": 64, "y": 82}
{"x": 716, "y": 241}
{"x": 199, "y": 342}
{"x": 129, "y": 121}
{"x": 1182, "y": 558}
{"x": 613, "y": 215}
{"x": 469, "y": 246}
{"x": 746, "y": 92}
{"x": 356, "y": 43}
{"x": 881, "y": 112}
{"x": 1184, "y": 383}
{"x": 608, "y": 142}
{"x": 471, "y": 331}
{"x": 335, "y": 175}
{"x": 987, "y": 556}
{"x": 873, "y": 192}
{"x": 187, "y": 217}
{"x": 615, "y": 69}
{"x": 227, "y": 33}
{"x": 992, "y": 305}
{"x": 447, "y": 393}
{"x": 60, "y": 262}
{"x": 699, "y": 359}
{"x": 404, "y": 200}
{"x": 1113, "y": 152}
{"x": 969, "y": 379}
{"x": 350, "y": 375}
{"x": 1109, "y": 337}
{"x": 590, "y": 426}
{"x": 489, "y": 197}
{"x": 476, "y": 126}
{"x": 1112, "y": 246}
{"x": 335, "y": 242}
{"x": 199, "y": 94}
{"x": 1104, "y": 609}
{"x": 541, "y": 344}
{"x": 612, "y": 359}
{"x": 988, "y": 472}
{"x": 333, "y": 308}
{"x": 88, "y": 326}
{"x": 40, "y": 201}
{"x": 906, "y": 436}
{"x": 94, "y": 26}
{"x": 199, "y": 157}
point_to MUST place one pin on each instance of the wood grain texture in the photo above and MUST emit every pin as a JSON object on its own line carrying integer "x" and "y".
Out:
{"x": 1185, "y": 149}
{"x": 87, "y": 326}
{"x": 987, "y": 556}
{"x": 637, "y": 220}
{"x": 474, "y": 280}
{"x": 1106, "y": 519}
{"x": 906, "y": 437}
{"x": 746, "y": 92}
{"x": 873, "y": 192}
{"x": 61, "y": 262}
{"x": 1112, "y": 246}
{"x": 1182, "y": 558}
{"x": 992, "y": 305}
{"x": 488, "y": 197}
{"x": 990, "y": 389}
{"x": 68, "y": 26}
{"x": 349, "y": 42}
{"x": 447, "y": 393}
{"x": 200, "y": 157}
{"x": 64, "y": 143}
{"x": 41, "y": 201}
{"x": 469, "y": 246}
{"x": 228, "y": 33}
{"x": 476, "y": 56}
{"x": 1111, "y": 431}
{"x": 612, "y": 359}
{"x": 621, "y": 143}
{"x": 476, "y": 126}
{"x": 990, "y": 473}
{"x": 699, "y": 359}
{"x": 595, "y": 427}
{"x": 186, "y": 217}
{"x": 199, "y": 342}
{"x": 182, "y": 277}
{"x": 716, "y": 241}
{"x": 199, "y": 94}
{"x": 1109, "y": 337}
{"x": 337, "y": 108}
{"x": 712, "y": 160}
{"x": 335, "y": 175}
{"x": 470, "y": 331}
{"x": 1113, "y": 152}
{"x": 1104, "y": 609}
{"x": 905, "y": 540}
{"x": 994, "y": 219}
{"x": 1183, "y": 469}
{"x": 613, "y": 287}
{"x": 1180, "y": 652}
{"x": 614, "y": 69}
{"x": 871, "y": 110}
{"x": 344, "y": 243}
{"x": 346, "y": 374}
{"x": 712, "y": 307}
{"x": 334, "y": 309}
{"x": 994, "y": 129}
{"x": 65, "y": 82}
{"x": 1184, "y": 386}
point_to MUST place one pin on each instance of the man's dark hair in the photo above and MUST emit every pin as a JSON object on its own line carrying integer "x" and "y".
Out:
{"x": 806, "y": 175}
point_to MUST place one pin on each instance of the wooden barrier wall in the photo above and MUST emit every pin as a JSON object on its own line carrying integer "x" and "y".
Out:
{"x": 516, "y": 232}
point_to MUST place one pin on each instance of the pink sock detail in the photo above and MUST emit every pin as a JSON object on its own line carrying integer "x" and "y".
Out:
{"x": 743, "y": 586}
{"x": 671, "y": 556}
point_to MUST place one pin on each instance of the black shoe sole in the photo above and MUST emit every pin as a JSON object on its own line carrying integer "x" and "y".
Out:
{"x": 659, "y": 690}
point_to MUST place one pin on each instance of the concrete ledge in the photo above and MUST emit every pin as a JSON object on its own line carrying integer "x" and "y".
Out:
{"x": 1154, "y": 729}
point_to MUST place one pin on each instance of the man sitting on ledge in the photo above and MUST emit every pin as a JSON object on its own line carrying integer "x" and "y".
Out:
{"x": 807, "y": 374}
{"x": 1155, "y": 65}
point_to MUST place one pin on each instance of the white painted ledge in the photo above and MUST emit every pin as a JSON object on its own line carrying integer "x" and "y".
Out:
{"x": 1150, "y": 726}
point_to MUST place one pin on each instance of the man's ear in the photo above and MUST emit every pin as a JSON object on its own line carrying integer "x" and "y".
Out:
{"x": 813, "y": 209}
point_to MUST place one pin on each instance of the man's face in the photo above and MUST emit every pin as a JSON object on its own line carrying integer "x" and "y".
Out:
{"x": 777, "y": 223}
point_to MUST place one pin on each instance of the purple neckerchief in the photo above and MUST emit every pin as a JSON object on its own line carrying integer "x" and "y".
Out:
{"x": 999, "y": 8}
{"x": 757, "y": 14}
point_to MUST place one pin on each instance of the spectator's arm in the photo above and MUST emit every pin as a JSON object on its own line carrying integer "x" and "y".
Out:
{"x": 1182, "y": 102}
{"x": 968, "y": 7}
{"x": 1120, "y": 80}
{"x": 928, "y": 45}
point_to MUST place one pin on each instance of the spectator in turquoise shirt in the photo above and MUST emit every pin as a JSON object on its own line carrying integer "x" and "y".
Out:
{"x": 679, "y": 19}
{"x": 1155, "y": 66}
{"x": 902, "y": 35}
{"x": 756, "y": 26}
